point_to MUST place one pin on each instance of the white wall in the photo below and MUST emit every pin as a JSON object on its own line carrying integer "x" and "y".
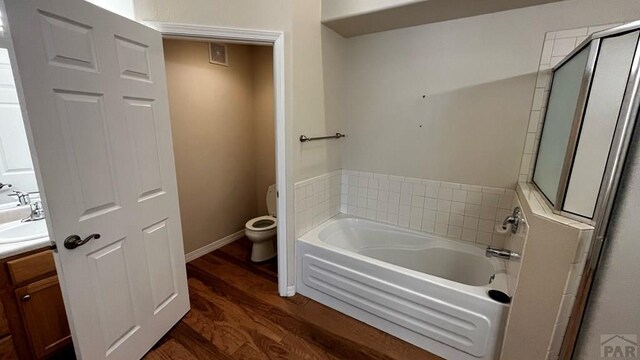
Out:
{"x": 478, "y": 75}
{"x": 120, "y": 7}
{"x": 336, "y": 9}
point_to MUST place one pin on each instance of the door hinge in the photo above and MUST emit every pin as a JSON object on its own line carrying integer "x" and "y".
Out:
{"x": 53, "y": 247}
{"x": 277, "y": 194}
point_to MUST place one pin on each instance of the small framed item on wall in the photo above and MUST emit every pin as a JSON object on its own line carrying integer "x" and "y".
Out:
{"x": 218, "y": 54}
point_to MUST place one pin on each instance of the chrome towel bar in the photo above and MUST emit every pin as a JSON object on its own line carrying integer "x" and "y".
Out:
{"x": 304, "y": 138}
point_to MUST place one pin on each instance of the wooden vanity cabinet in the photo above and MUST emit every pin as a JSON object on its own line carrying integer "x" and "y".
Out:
{"x": 33, "y": 324}
{"x": 43, "y": 316}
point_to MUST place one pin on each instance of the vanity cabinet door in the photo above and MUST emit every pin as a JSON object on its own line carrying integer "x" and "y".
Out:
{"x": 44, "y": 317}
{"x": 7, "y": 351}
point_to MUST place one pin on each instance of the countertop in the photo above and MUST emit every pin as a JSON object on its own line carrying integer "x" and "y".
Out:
{"x": 11, "y": 249}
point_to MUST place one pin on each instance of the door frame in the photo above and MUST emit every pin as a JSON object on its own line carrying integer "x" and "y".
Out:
{"x": 283, "y": 157}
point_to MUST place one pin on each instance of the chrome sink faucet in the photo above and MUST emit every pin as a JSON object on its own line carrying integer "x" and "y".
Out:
{"x": 37, "y": 212}
{"x": 23, "y": 197}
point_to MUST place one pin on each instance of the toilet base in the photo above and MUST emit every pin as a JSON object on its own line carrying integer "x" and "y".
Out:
{"x": 263, "y": 251}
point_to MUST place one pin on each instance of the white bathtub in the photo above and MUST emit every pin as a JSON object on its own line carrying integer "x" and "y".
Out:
{"x": 422, "y": 288}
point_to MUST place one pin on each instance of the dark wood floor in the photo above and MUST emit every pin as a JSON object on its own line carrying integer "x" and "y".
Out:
{"x": 236, "y": 313}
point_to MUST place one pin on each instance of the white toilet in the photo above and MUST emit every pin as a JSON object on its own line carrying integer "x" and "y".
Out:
{"x": 262, "y": 230}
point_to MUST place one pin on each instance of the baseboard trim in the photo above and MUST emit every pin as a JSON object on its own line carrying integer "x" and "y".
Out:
{"x": 213, "y": 246}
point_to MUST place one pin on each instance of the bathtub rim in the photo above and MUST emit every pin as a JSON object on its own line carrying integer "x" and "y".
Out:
{"x": 480, "y": 292}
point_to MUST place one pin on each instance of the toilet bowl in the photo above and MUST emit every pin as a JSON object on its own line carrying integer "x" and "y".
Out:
{"x": 262, "y": 230}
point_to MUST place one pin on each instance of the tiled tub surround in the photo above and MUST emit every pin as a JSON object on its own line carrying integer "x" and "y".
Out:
{"x": 554, "y": 255}
{"x": 574, "y": 276}
{"x": 316, "y": 200}
{"x": 516, "y": 243}
{"x": 557, "y": 45}
{"x": 457, "y": 211}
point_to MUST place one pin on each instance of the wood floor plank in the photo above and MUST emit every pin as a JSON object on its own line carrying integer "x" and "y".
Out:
{"x": 233, "y": 315}
{"x": 241, "y": 250}
{"x": 361, "y": 333}
{"x": 257, "y": 270}
{"x": 285, "y": 318}
{"x": 285, "y": 341}
{"x": 237, "y": 314}
{"x": 245, "y": 281}
{"x": 197, "y": 345}
{"x": 170, "y": 350}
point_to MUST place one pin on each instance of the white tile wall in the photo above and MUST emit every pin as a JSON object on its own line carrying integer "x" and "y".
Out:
{"x": 458, "y": 211}
{"x": 527, "y": 193}
{"x": 557, "y": 45}
{"x": 540, "y": 208}
{"x": 316, "y": 200}
{"x": 569, "y": 296}
{"x": 516, "y": 242}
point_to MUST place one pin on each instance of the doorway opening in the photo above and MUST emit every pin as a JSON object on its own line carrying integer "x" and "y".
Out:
{"x": 221, "y": 101}
{"x": 262, "y": 41}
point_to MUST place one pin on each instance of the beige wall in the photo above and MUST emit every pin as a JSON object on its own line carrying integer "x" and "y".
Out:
{"x": 223, "y": 138}
{"x": 264, "y": 123}
{"x": 478, "y": 75}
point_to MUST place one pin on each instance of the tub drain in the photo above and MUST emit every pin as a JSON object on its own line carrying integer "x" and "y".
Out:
{"x": 499, "y": 296}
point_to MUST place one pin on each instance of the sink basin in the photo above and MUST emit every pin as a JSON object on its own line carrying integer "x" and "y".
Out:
{"x": 17, "y": 231}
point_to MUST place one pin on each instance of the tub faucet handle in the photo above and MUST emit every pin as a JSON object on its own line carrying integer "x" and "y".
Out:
{"x": 514, "y": 220}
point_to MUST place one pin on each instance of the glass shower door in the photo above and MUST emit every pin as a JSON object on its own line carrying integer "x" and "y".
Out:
{"x": 559, "y": 119}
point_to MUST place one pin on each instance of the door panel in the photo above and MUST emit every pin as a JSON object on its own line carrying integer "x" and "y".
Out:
{"x": 67, "y": 43}
{"x": 132, "y": 59}
{"x": 96, "y": 100}
{"x": 141, "y": 120}
{"x": 158, "y": 249}
{"x": 108, "y": 270}
{"x": 89, "y": 157}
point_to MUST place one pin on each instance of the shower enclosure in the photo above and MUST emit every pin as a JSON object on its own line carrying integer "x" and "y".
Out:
{"x": 591, "y": 113}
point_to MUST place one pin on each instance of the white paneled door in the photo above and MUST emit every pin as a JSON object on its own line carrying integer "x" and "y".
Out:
{"x": 96, "y": 102}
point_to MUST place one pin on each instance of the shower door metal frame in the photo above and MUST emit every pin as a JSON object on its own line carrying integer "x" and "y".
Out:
{"x": 594, "y": 42}
{"x": 581, "y": 105}
{"x": 626, "y": 122}
{"x": 576, "y": 127}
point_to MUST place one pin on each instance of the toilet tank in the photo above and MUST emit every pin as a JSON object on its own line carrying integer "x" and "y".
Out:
{"x": 271, "y": 200}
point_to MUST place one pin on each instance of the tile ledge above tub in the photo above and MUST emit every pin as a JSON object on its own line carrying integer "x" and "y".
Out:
{"x": 527, "y": 192}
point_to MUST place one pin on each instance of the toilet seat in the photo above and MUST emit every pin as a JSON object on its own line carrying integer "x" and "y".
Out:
{"x": 261, "y": 223}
